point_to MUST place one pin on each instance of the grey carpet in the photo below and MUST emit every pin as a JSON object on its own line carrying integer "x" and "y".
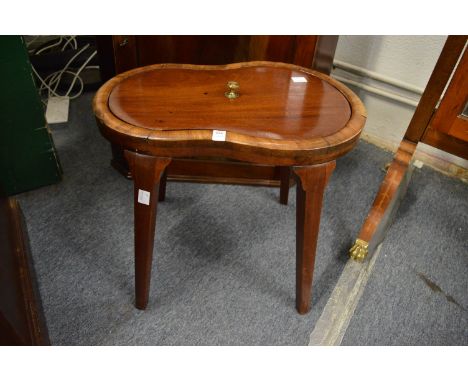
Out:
{"x": 224, "y": 261}
{"x": 418, "y": 292}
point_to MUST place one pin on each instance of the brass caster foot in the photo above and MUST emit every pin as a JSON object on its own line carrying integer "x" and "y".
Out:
{"x": 359, "y": 250}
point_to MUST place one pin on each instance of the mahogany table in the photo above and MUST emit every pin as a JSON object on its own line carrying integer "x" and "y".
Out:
{"x": 258, "y": 112}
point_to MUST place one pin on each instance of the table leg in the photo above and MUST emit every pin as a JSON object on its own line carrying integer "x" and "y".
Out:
{"x": 285, "y": 174}
{"x": 146, "y": 171}
{"x": 311, "y": 182}
{"x": 162, "y": 186}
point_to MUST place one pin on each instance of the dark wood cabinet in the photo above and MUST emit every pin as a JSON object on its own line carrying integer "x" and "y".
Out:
{"x": 121, "y": 53}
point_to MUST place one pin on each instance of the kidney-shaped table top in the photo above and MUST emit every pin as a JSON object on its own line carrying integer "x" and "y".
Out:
{"x": 284, "y": 114}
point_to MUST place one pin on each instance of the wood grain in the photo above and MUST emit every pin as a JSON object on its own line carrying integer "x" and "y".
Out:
{"x": 314, "y": 52}
{"x": 170, "y": 99}
{"x": 194, "y": 49}
{"x": 384, "y": 206}
{"x": 147, "y": 171}
{"x": 311, "y": 184}
{"x": 308, "y": 145}
{"x": 446, "y": 142}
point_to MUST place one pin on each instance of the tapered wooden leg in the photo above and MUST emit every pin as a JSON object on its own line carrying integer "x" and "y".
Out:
{"x": 162, "y": 186}
{"x": 311, "y": 182}
{"x": 146, "y": 171}
{"x": 285, "y": 174}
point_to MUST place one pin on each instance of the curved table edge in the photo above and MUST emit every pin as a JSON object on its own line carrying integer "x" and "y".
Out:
{"x": 236, "y": 145}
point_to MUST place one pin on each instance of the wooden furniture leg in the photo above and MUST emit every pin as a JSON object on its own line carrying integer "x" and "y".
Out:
{"x": 386, "y": 203}
{"x": 146, "y": 171}
{"x": 162, "y": 186}
{"x": 285, "y": 174}
{"x": 311, "y": 183}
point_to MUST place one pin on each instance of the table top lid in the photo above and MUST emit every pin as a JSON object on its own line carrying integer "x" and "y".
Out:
{"x": 277, "y": 103}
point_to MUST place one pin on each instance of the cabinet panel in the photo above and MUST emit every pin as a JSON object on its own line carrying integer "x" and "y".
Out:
{"x": 208, "y": 50}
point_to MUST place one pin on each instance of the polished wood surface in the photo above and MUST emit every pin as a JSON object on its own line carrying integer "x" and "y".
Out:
{"x": 289, "y": 143}
{"x": 121, "y": 53}
{"x": 309, "y": 194}
{"x": 386, "y": 203}
{"x": 305, "y": 48}
{"x": 306, "y": 127}
{"x": 200, "y": 50}
{"x": 21, "y": 317}
{"x": 168, "y": 99}
{"x": 446, "y": 143}
{"x": 147, "y": 171}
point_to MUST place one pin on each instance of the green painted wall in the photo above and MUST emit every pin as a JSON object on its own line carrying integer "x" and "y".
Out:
{"x": 28, "y": 158}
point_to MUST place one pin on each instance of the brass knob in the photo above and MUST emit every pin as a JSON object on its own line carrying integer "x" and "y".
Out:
{"x": 233, "y": 87}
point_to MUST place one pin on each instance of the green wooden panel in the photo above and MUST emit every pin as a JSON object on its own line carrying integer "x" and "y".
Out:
{"x": 28, "y": 158}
